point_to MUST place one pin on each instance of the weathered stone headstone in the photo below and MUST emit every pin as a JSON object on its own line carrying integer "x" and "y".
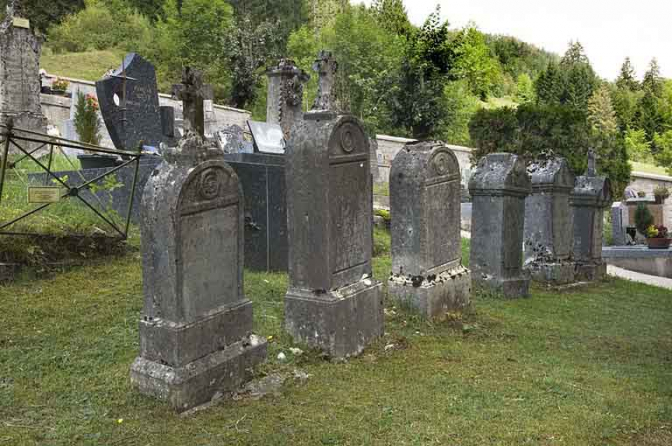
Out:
{"x": 326, "y": 67}
{"x": 195, "y": 331}
{"x": 129, "y": 104}
{"x": 285, "y": 95}
{"x": 591, "y": 196}
{"x": 619, "y": 223}
{"x": 333, "y": 302}
{"x": 549, "y": 230}
{"x": 427, "y": 271}
{"x": 498, "y": 188}
{"x": 20, "y": 81}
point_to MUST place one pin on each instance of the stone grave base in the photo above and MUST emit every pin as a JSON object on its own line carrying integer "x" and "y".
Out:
{"x": 198, "y": 381}
{"x": 559, "y": 273}
{"x": 448, "y": 292}
{"x": 509, "y": 288}
{"x": 591, "y": 271}
{"x": 340, "y": 322}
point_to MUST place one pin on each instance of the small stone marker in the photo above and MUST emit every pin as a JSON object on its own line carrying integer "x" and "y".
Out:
{"x": 426, "y": 245}
{"x": 285, "y": 95}
{"x": 129, "y": 104}
{"x": 498, "y": 188}
{"x": 195, "y": 332}
{"x": 619, "y": 223}
{"x": 549, "y": 231}
{"x": 333, "y": 302}
{"x": 591, "y": 196}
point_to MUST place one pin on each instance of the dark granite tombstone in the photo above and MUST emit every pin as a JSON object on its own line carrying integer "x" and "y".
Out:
{"x": 549, "y": 236}
{"x": 129, "y": 103}
{"x": 426, "y": 245}
{"x": 332, "y": 302}
{"x": 590, "y": 197}
{"x": 498, "y": 188}
{"x": 195, "y": 331}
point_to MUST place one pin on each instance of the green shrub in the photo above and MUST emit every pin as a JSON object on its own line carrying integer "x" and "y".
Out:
{"x": 87, "y": 122}
{"x": 643, "y": 218}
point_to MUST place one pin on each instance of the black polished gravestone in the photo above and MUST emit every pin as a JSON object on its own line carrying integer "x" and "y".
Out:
{"x": 129, "y": 103}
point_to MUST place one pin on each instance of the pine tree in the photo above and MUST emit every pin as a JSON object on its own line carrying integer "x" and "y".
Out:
{"x": 392, "y": 15}
{"x": 549, "y": 85}
{"x": 627, "y": 79}
{"x": 652, "y": 79}
{"x": 601, "y": 115}
{"x": 575, "y": 54}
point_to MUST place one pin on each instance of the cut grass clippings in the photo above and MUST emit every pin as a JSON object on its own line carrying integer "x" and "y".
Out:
{"x": 590, "y": 366}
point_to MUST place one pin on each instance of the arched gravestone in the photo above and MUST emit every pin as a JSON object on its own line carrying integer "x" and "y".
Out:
{"x": 195, "y": 331}
{"x": 549, "y": 231}
{"x": 590, "y": 197}
{"x": 498, "y": 188}
{"x": 427, "y": 271}
{"x": 332, "y": 302}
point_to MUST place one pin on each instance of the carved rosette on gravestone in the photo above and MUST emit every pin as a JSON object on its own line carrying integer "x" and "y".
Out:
{"x": 590, "y": 197}
{"x": 129, "y": 103}
{"x": 427, "y": 271}
{"x": 20, "y": 81}
{"x": 332, "y": 302}
{"x": 498, "y": 188}
{"x": 285, "y": 95}
{"x": 549, "y": 236}
{"x": 195, "y": 331}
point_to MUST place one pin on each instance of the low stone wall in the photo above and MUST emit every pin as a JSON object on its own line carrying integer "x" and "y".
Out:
{"x": 647, "y": 182}
{"x": 655, "y": 262}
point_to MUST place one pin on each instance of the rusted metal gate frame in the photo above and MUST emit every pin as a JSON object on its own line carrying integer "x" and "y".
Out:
{"x": 9, "y": 137}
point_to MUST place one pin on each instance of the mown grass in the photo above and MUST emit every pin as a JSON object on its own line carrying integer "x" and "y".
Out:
{"x": 90, "y": 65}
{"x": 591, "y": 366}
{"x": 648, "y": 168}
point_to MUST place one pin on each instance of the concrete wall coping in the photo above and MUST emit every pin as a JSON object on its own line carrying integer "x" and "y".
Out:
{"x": 394, "y": 139}
{"x": 651, "y": 176}
{"x": 639, "y": 251}
{"x": 459, "y": 148}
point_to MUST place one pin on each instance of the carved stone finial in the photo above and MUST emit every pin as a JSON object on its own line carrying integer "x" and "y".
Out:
{"x": 285, "y": 94}
{"x": 192, "y": 92}
{"x": 592, "y": 163}
{"x": 326, "y": 67}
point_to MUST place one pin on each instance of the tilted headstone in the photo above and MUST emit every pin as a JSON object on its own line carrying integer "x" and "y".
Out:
{"x": 20, "y": 81}
{"x": 129, "y": 104}
{"x": 195, "y": 330}
{"x": 591, "y": 196}
{"x": 427, "y": 271}
{"x": 498, "y": 188}
{"x": 549, "y": 231}
{"x": 285, "y": 95}
{"x": 332, "y": 302}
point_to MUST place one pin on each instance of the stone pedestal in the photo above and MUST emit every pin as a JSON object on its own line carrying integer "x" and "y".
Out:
{"x": 427, "y": 273}
{"x": 591, "y": 196}
{"x": 549, "y": 236}
{"x": 498, "y": 188}
{"x": 332, "y": 302}
{"x": 195, "y": 330}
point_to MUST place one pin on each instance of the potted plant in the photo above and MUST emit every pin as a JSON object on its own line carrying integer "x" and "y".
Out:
{"x": 661, "y": 193}
{"x": 643, "y": 218}
{"x": 87, "y": 125}
{"x": 59, "y": 86}
{"x": 657, "y": 237}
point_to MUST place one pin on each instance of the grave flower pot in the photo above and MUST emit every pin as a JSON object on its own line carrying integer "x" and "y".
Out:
{"x": 97, "y": 161}
{"x": 658, "y": 243}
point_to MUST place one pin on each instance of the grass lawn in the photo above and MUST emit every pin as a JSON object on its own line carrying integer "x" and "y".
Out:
{"x": 648, "y": 168}
{"x": 90, "y": 65}
{"x": 591, "y": 366}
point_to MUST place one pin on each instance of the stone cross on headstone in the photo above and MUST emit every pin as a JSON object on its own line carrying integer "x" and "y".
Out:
{"x": 592, "y": 164}
{"x": 285, "y": 95}
{"x": 326, "y": 67}
{"x": 192, "y": 92}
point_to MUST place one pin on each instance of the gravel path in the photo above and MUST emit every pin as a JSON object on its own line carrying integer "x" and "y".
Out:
{"x": 639, "y": 277}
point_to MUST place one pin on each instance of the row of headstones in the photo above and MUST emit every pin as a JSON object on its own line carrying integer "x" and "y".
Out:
{"x": 196, "y": 330}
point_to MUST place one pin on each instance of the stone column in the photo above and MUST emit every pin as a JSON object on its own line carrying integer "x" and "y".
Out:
{"x": 427, "y": 271}
{"x": 285, "y": 95}
{"x": 20, "y": 83}
{"x": 549, "y": 233}
{"x": 332, "y": 302}
{"x": 498, "y": 188}
{"x": 591, "y": 196}
{"x": 195, "y": 330}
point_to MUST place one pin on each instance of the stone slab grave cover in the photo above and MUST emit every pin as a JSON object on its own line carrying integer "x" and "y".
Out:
{"x": 549, "y": 230}
{"x": 333, "y": 302}
{"x": 129, "y": 104}
{"x": 20, "y": 51}
{"x": 195, "y": 330}
{"x": 498, "y": 187}
{"x": 590, "y": 197}
{"x": 427, "y": 271}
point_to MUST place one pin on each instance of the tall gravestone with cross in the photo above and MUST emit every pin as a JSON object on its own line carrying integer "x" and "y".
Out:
{"x": 427, "y": 271}
{"x": 332, "y": 302}
{"x": 285, "y": 95}
{"x": 195, "y": 330}
{"x": 20, "y": 51}
{"x": 549, "y": 232}
{"x": 498, "y": 188}
{"x": 590, "y": 197}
